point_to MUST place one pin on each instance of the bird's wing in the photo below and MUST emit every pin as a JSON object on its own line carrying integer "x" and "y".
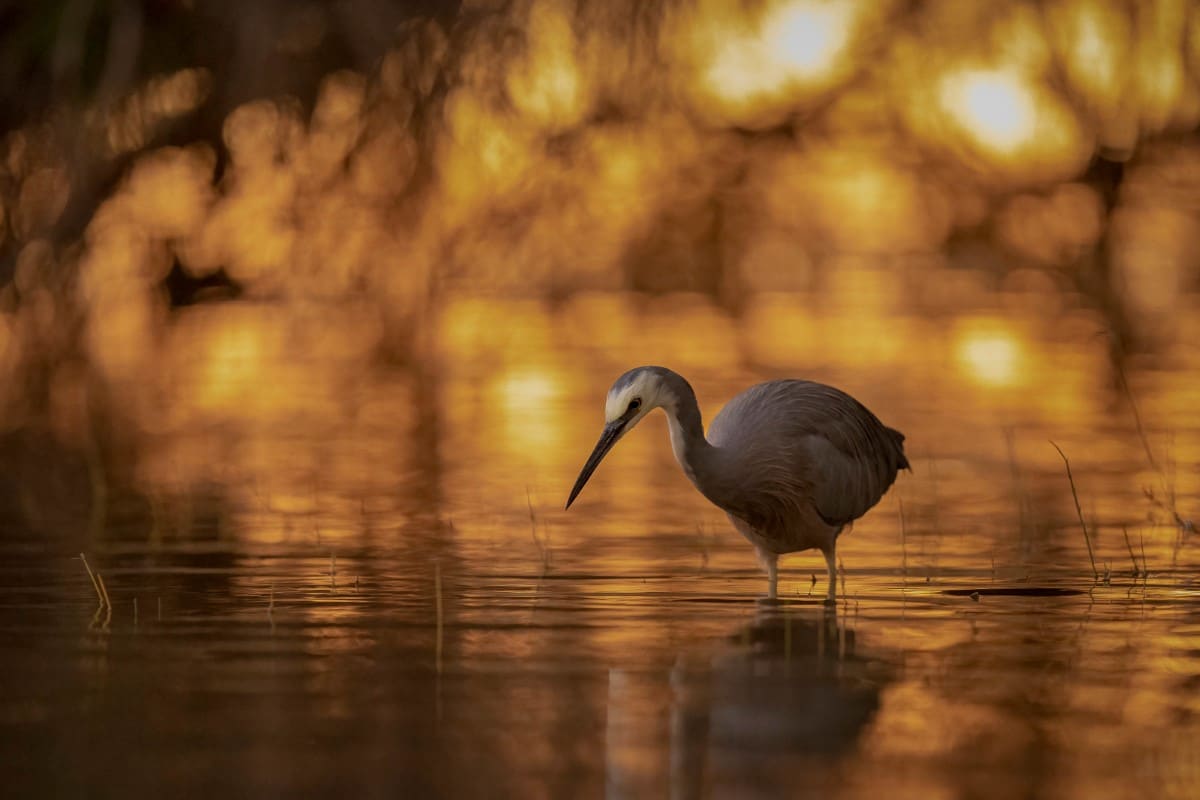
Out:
{"x": 846, "y": 486}
{"x": 805, "y": 440}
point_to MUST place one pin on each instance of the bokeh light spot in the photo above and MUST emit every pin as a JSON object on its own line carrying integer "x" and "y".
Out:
{"x": 793, "y": 51}
{"x": 994, "y": 107}
{"x": 805, "y": 38}
{"x": 990, "y": 356}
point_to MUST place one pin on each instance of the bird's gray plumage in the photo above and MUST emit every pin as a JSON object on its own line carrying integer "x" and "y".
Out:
{"x": 791, "y": 462}
{"x": 794, "y": 441}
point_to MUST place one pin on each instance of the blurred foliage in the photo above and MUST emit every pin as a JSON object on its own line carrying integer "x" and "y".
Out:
{"x": 348, "y": 167}
{"x": 63, "y": 52}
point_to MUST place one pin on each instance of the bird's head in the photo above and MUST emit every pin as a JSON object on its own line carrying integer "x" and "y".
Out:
{"x": 632, "y": 396}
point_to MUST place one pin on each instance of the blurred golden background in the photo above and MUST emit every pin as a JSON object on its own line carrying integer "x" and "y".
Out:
{"x": 307, "y": 313}
{"x": 435, "y": 231}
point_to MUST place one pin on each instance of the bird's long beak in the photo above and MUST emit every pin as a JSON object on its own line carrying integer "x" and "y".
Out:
{"x": 612, "y": 432}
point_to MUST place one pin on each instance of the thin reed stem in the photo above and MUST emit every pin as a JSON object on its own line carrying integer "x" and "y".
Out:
{"x": 1078, "y": 510}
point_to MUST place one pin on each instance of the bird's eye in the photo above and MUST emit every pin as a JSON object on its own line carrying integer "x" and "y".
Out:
{"x": 635, "y": 404}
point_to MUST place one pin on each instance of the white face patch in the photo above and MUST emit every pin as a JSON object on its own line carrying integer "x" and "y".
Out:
{"x": 618, "y": 402}
{"x": 644, "y": 386}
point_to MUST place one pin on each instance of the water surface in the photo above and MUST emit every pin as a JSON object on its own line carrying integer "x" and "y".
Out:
{"x": 383, "y": 595}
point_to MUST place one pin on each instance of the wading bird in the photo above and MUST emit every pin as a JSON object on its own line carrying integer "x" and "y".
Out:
{"x": 791, "y": 462}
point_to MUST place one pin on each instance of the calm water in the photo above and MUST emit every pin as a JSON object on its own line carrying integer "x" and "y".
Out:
{"x": 375, "y": 592}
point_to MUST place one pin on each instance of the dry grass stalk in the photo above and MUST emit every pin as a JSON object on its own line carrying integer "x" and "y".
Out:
{"x": 1078, "y": 510}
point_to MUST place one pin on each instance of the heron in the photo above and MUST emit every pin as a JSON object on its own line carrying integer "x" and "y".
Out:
{"x": 792, "y": 463}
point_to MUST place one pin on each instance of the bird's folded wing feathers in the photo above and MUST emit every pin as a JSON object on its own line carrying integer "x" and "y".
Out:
{"x": 808, "y": 439}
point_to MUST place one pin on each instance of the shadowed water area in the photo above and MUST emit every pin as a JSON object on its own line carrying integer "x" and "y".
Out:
{"x": 372, "y": 589}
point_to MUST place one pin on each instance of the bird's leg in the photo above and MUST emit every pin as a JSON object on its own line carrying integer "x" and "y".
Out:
{"x": 831, "y": 565}
{"x": 770, "y": 562}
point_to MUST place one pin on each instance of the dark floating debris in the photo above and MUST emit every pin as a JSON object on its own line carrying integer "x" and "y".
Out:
{"x": 1013, "y": 591}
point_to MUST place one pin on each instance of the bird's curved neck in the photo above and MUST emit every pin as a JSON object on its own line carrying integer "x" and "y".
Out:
{"x": 687, "y": 434}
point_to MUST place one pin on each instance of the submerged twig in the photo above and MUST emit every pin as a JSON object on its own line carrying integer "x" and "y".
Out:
{"x": 1129, "y": 547}
{"x": 92, "y": 575}
{"x": 1078, "y": 510}
{"x": 107, "y": 602}
{"x": 105, "y": 607}
{"x": 542, "y": 542}
{"x": 1142, "y": 545}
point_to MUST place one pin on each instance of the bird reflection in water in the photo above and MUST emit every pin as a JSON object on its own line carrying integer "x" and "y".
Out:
{"x": 790, "y": 692}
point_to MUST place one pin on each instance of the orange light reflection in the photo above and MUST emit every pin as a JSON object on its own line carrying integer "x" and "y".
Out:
{"x": 754, "y": 69}
{"x": 993, "y": 106}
